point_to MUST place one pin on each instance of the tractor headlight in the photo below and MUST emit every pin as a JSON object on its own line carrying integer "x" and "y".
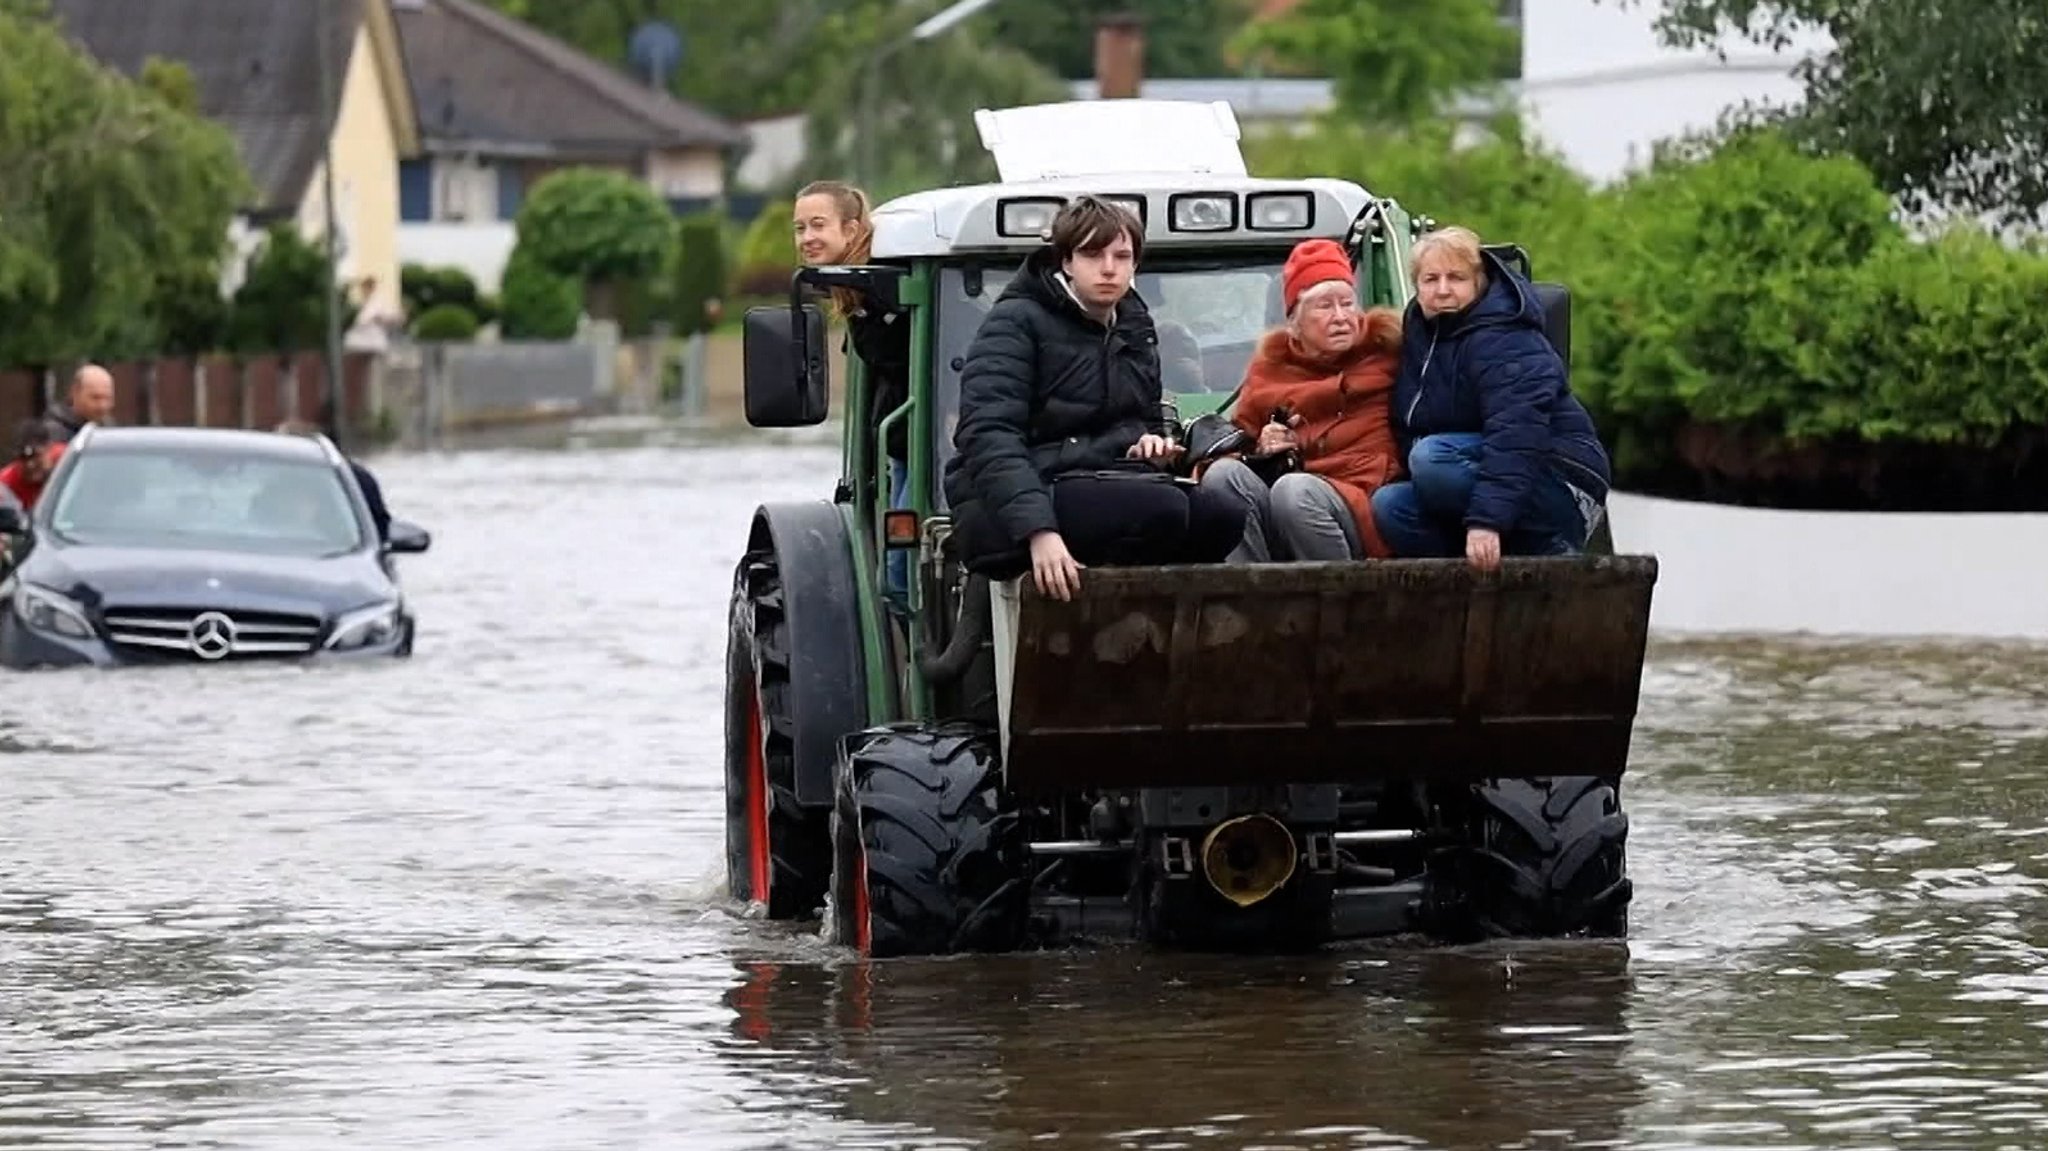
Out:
{"x": 1280, "y": 211}
{"x": 1026, "y": 218}
{"x": 1135, "y": 205}
{"x": 1204, "y": 212}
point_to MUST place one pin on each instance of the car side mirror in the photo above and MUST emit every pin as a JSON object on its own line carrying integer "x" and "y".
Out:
{"x": 787, "y": 380}
{"x": 407, "y": 538}
{"x": 13, "y": 521}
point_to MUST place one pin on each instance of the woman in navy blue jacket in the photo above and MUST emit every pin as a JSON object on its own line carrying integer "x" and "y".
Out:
{"x": 1502, "y": 459}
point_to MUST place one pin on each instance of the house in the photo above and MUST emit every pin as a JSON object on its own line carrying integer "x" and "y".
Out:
{"x": 501, "y": 105}
{"x": 258, "y": 68}
{"x": 1598, "y": 85}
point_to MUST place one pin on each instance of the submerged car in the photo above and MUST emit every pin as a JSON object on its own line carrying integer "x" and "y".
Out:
{"x": 183, "y": 545}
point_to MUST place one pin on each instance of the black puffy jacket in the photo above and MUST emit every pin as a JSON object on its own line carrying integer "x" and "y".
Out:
{"x": 1048, "y": 389}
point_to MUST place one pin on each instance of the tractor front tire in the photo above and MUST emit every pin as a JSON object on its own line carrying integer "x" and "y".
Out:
{"x": 1542, "y": 859}
{"x": 929, "y": 855}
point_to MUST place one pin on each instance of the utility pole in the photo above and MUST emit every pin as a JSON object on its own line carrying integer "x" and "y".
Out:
{"x": 330, "y": 116}
{"x": 864, "y": 161}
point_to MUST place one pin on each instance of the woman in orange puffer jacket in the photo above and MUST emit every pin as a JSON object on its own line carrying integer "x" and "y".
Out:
{"x": 1317, "y": 394}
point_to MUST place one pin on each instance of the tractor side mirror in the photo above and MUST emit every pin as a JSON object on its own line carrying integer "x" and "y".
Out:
{"x": 787, "y": 381}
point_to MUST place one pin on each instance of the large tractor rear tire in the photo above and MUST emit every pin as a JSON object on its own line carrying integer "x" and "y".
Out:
{"x": 1543, "y": 858}
{"x": 930, "y": 858}
{"x": 777, "y": 852}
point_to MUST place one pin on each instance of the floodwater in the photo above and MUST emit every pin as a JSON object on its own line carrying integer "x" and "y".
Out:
{"x": 475, "y": 900}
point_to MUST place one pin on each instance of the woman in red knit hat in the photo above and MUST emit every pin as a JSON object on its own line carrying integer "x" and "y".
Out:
{"x": 1316, "y": 403}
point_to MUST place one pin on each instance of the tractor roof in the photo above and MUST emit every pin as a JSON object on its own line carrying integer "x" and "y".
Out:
{"x": 1177, "y": 163}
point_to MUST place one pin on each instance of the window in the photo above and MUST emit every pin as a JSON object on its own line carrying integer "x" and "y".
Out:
{"x": 1210, "y": 314}
{"x": 165, "y": 498}
{"x": 415, "y": 190}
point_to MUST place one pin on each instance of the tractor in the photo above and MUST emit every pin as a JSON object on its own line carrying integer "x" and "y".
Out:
{"x": 1265, "y": 756}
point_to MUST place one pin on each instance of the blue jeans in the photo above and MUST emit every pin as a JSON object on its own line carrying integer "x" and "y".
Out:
{"x": 899, "y": 558}
{"x": 1424, "y": 516}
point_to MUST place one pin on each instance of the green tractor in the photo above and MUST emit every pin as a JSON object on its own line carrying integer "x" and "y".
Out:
{"x": 1262, "y": 756}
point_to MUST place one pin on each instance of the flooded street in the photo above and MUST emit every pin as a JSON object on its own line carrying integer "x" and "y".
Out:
{"x": 476, "y": 900}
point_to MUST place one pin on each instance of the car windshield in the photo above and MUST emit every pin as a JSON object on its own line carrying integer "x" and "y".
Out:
{"x": 207, "y": 500}
{"x": 1210, "y": 316}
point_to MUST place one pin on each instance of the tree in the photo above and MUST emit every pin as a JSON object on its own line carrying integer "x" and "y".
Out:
{"x": 1502, "y": 185}
{"x": 172, "y": 82}
{"x": 535, "y": 303}
{"x": 1394, "y": 61}
{"x": 784, "y": 50}
{"x": 1183, "y": 38}
{"x": 280, "y": 307}
{"x": 114, "y": 204}
{"x": 1945, "y": 101}
{"x": 925, "y": 99}
{"x": 700, "y": 274}
{"x": 599, "y": 227}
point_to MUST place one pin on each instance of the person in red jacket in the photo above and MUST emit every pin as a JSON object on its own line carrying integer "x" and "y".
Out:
{"x": 1316, "y": 420}
{"x": 36, "y": 451}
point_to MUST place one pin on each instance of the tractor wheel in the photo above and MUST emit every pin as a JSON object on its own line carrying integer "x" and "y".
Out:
{"x": 930, "y": 858}
{"x": 777, "y": 853}
{"x": 1543, "y": 858}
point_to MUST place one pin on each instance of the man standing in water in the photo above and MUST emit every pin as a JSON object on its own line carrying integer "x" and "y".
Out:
{"x": 373, "y": 492}
{"x": 90, "y": 400}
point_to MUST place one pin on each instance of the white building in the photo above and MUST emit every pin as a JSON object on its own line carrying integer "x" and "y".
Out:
{"x": 1598, "y": 86}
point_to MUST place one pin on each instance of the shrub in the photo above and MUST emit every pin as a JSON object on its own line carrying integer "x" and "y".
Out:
{"x": 1751, "y": 322}
{"x": 445, "y": 322}
{"x": 536, "y": 304}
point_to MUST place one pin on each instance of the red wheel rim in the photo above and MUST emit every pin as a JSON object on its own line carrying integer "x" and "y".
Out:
{"x": 758, "y": 868}
{"x": 863, "y": 927}
{"x": 751, "y": 1002}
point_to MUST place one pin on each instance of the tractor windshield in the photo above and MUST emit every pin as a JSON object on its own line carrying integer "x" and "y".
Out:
{"x": 1210, "y": 314}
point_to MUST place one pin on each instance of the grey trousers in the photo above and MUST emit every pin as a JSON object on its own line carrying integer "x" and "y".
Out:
{"x": 1301, "y": 517}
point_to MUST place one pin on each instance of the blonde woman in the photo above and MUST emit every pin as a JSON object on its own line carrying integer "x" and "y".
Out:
{"x": 833, "y": 229}
{"x": 1502, "y": 458}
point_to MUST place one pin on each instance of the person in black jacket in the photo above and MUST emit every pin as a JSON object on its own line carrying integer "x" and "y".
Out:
{"x": 833, "y": 229}
{"x": 1502, "y": 458}
{"x": 89, "y": 400}
{"x": 373, "y": 492}
{"x": 1062, "y": 450}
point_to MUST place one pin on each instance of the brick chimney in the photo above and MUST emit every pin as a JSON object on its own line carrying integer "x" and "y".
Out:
{"x": 1119, "y": 56}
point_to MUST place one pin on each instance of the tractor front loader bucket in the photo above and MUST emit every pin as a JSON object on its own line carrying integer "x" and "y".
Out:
{"x": 1323, "y": 673}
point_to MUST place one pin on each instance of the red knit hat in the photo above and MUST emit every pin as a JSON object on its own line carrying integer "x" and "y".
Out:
{"x": 1313, "y": 262}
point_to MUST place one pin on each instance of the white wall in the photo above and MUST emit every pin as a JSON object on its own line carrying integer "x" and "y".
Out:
{"x": 1763, "y": 571}
{"x": 692, "y": 172}
{"x": 1598, "y": 86}
{"x": 778, "y": 149}
{"x": 479, "y": 249}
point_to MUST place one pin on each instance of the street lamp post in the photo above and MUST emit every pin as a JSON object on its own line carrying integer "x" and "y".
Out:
{"x": 870, "y": 73}
{"x": 330, "y": 418}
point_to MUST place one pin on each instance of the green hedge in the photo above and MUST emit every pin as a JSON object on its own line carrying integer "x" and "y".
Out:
{"x": 1753, "y": 324}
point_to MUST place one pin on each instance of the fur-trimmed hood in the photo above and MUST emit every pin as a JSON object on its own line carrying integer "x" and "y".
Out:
{"x": 1281, "y": 357}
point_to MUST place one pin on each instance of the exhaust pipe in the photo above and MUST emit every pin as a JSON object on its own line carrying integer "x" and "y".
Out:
{"x": 1248, "y": 858}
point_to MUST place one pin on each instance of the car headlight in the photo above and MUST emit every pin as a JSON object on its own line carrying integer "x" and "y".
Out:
{"x": 47, "y": 611}
{"x": 371, "y": 626}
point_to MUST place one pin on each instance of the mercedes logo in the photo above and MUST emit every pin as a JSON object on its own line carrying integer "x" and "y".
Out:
{"x": 211, "y": 636}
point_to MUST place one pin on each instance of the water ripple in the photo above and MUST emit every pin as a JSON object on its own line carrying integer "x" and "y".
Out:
{"x": 476, "y": 900}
